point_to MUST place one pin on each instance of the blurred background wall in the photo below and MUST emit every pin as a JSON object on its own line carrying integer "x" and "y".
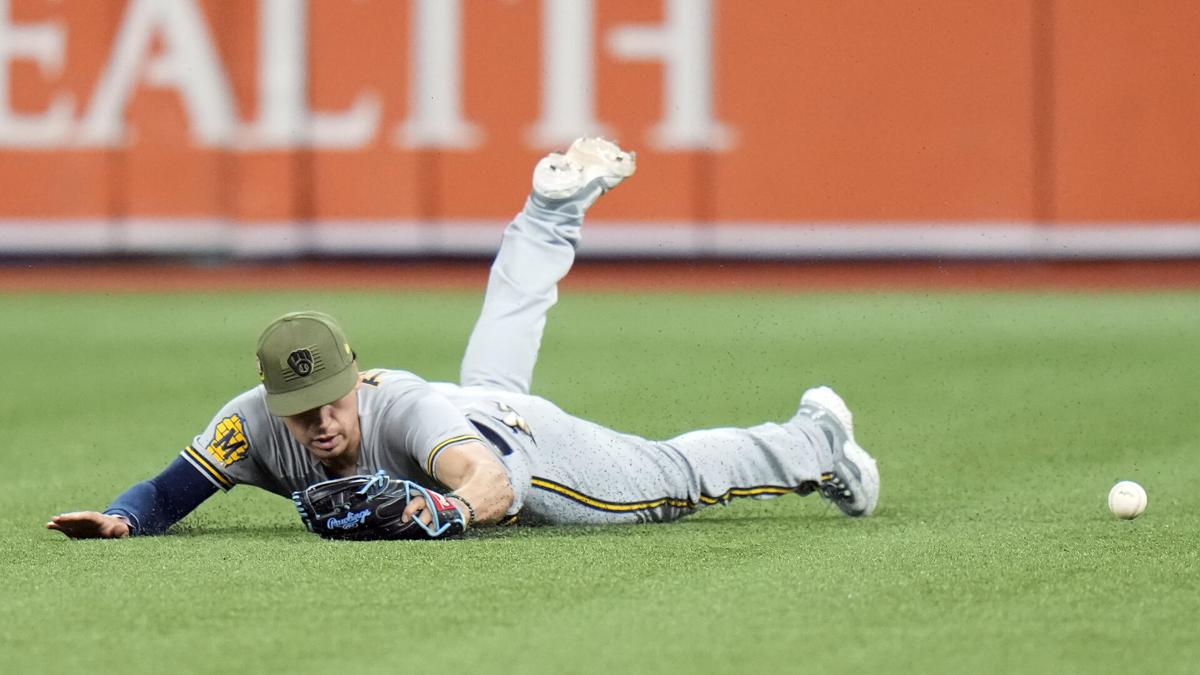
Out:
{"x": 764, "y": 128}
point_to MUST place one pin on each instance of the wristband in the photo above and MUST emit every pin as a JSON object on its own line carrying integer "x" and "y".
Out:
{"x": 470, "y": 509}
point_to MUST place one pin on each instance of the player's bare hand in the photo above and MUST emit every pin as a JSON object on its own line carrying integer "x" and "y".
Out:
{"x": 89, "y": 525}
{"x": 418, "y": 508}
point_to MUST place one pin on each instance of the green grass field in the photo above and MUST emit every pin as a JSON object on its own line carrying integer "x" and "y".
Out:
{"x": 999, "y": 422}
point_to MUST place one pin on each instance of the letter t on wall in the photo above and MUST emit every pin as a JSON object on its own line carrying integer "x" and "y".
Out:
{"x": 435, "y": 90}
{"x": 568, "y": 87}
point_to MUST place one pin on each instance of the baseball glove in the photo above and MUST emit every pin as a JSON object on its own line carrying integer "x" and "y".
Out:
{"x": 369, "y": 507}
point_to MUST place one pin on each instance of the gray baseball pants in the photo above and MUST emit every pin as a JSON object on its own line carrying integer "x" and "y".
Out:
{"x": 571, "y": 471}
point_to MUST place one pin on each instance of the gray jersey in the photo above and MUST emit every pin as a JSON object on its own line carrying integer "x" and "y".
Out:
{"x": 405, "y": 425}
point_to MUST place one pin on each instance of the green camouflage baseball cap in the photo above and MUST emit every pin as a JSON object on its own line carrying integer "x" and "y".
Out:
{"x": 305, "y": 362}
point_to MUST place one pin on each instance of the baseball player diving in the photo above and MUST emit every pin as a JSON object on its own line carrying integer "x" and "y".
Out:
{"x": 384, "y": 454}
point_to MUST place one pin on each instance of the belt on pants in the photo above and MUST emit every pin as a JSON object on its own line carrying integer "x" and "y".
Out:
{"x": 503, "y": 446}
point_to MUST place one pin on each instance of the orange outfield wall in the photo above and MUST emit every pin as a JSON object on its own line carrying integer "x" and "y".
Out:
{"x": 1063, "y": 112}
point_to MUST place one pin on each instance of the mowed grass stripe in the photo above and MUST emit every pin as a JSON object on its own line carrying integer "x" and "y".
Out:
{"x": 999, "y": 421}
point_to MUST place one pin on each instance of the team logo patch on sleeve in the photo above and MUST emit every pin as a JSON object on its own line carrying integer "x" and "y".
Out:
{"x": 229, "y": 441}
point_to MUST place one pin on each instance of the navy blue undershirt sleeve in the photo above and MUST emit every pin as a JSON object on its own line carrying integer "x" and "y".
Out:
{"x": 154, "y": 505}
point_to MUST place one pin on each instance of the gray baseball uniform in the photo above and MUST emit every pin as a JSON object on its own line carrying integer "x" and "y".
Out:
{"x": 563, "y": 469}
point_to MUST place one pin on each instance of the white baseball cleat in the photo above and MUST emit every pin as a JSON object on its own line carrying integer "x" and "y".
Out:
{"x": 588, "y": 169}
{"x": 853, "y": 482}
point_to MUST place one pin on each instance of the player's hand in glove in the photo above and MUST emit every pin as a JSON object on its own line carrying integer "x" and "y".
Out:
{"x": 377, "y": 507}
{"x": 89, "y": 525}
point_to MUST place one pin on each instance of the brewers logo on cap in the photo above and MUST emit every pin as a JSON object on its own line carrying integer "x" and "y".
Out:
{"x": 301, "y": 362}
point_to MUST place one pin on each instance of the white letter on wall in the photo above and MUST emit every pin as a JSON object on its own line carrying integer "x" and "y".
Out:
{"x": 284, "y": 119}
{"x": 684, "y": 44}
{"x": 188, "y": 64}
{"x": 44, "y": 44}
{"x": 435, "y": 84}
{"x": 568, "y": 87}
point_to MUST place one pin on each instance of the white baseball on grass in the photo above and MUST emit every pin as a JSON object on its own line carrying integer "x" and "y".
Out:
{"x": 1127, "y": 500}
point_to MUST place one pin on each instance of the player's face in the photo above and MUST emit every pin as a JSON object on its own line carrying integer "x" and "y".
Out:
{"x": 330, "y": 432}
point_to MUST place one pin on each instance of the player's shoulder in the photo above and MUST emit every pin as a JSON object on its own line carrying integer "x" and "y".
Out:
{"x": 254, "y": 396}
{"x": 249, "y": 403}
{"x": 248, "y": 414}
{"x": 241, "y": 427}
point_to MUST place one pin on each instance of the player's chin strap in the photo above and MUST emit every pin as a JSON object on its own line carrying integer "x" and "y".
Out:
{"x": 436, "y": 527}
